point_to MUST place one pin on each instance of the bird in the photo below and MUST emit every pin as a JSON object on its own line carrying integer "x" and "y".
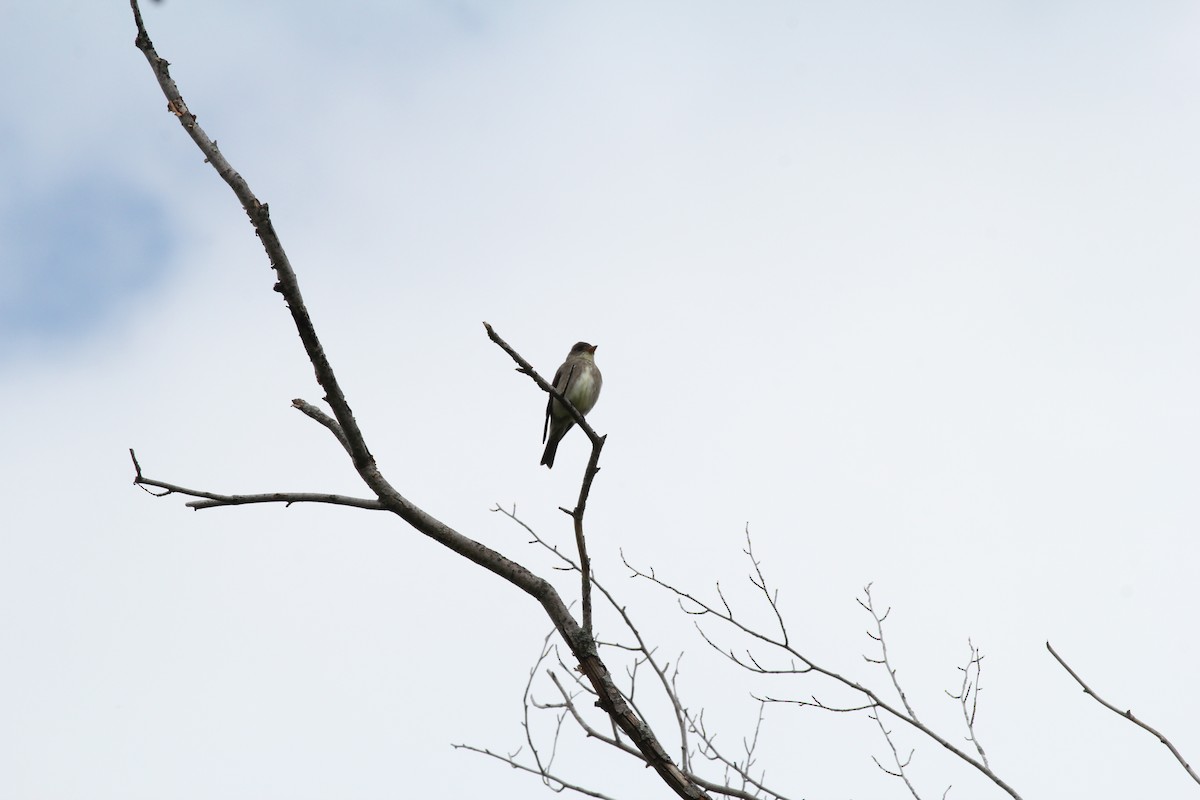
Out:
{"x": 578, "y": 380}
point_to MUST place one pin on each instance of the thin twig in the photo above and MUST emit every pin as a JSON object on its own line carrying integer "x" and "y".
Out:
{"x": 642, "y": 647}
{"x": 668, "y": 680}
{"x": 901, "y": 765}
{"x": 884, "y": 659}
{"x": 526, "y": 701}
{"x": 1127, "y": 714}
{"x": 545, "y": 776}
{"x": 726, "y": 615}
{"x": 968, "y": 696}
{"x": 709, "y": 750}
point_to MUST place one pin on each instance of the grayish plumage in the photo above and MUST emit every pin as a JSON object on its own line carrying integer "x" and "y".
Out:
{"x": 579, "y": 380}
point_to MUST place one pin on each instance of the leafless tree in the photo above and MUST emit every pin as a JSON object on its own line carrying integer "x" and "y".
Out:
{"x": 763, "y": 653}
{"x": 577, "y": 636}
{"x": 581, "y": 678}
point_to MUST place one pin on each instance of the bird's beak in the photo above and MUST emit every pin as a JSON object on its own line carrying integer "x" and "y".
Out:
{"x": 593, "y": 350}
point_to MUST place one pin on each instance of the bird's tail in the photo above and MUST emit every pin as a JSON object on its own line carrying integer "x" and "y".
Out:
{"x": 551, "y": 450}
{"x": 558, "y": 429}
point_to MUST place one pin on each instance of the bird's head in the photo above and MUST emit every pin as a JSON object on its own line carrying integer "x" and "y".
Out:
{"x": 583, "y": 348}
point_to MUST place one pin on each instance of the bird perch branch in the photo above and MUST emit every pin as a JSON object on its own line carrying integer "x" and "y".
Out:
{"x": 580, "y": 641}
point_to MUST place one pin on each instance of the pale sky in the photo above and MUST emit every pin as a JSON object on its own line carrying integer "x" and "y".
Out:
{"x": 910, "y": 289}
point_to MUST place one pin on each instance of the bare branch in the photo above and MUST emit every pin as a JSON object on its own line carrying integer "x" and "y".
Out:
{"x": 578, "y": 639}
{"x": 760, "y": 582}
{"x": 901, "y": 764}
{"x": 1127, "y": 714}
{"x": 968, "y": 696}
{"x": 815, "y": 703}
{"x": 589, "y": 474}
{"x": 526, "y": 701}
{"x": 668, "y": 685}
{"x": 668, "y": 679}
{"x": 525, "y": 368}
{"x": 710, "y": 751}
{"x": 641, "y": 647}
{"x": 260, "y": 218}
{"x": 869, "y": 605}
{"x": 326, "y": 420}
{"x": 569, "y": 702}
{"x": 726, "y": 615}
{"x": 711, "y": 786}
{"x": 545, "y": 776}
{"x": 213, "y": 500}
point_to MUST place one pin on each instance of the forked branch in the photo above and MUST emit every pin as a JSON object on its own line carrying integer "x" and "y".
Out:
{"x": 799, "y": 663}
{"x": 580, "y": 641}
{"x": 589, "y": 474}
{"x": 738, "y": 780}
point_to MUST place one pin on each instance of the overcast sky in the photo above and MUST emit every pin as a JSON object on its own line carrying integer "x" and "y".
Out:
{"x": 911, "y": 289}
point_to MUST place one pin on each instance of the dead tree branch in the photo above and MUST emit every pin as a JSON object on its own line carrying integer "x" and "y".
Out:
{"x": 213, "y": 500}
{"x": 555, "y": 783}
{"x": 579, "y": 640}
{"x": 781, "y": 642}
{"x": 968, "y": 696}
{"x": 736, "y": 770}
{"x": 589, "y": 474}
{"x": 1127, "y": 714}
{"x": 901, "y": 764}
{"x": 884, "y": 659}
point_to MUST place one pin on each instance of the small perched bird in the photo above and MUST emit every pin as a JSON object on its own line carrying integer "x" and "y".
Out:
{"x": 578, "y": 380}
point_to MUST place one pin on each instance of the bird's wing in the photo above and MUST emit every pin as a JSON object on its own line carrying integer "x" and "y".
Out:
{"x": 566, "y": 382}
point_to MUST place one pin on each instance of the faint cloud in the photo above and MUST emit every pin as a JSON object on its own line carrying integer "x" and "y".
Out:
{"x": 468, "y": 17}
{"x": 72, "y": 255}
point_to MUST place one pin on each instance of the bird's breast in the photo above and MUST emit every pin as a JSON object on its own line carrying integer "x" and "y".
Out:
{"x": 583, "y": 391}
